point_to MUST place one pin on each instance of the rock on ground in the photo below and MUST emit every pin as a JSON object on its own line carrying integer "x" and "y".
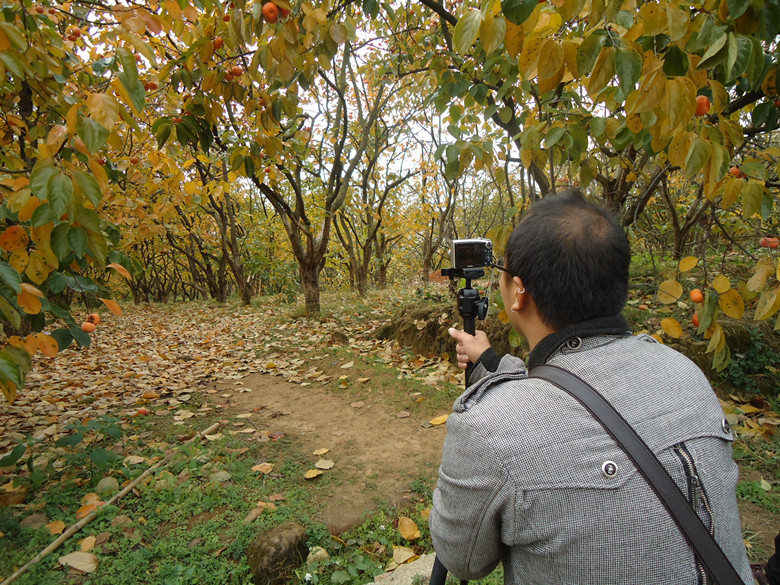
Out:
{"x": 405, "y": 574}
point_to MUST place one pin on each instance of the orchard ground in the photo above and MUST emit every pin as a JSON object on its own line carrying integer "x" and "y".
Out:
{"x": 295, "y": 397}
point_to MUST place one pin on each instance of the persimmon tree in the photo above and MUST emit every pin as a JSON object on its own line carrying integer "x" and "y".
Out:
{"x": 620, "y": 97}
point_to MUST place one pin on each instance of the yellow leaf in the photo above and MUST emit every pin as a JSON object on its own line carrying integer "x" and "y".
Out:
{"x": 312, "y": 473}
{"x": 408, "y": 529}
{"x": 86, "y": 562}
{"x": 513, "y": 39}
{"x": 687, "y": 263}
{"x": 768, "y": 305}
{"x": 47, "y": 344}
{"x": 28, "y": 300}
{"x": 669, "y": 291}
{"x": 732, "y": 192}
{"x": 113, "y": 306}
{"x": 671, "y": 327}
{"x": 529, "y": 58}
{"x": 603, "y": 71}
{"x": 57, "y": 136}
{"x": 87, "y": 544}
{"x": 120, "y": 269}
{"x": 716, "y": 338}
{"x": 321, "y": 452}
{"x": 551, "y": 58}
{"x": 56, "y": 527}
{"x": 732, "y": 304}
{"x": 439, "y": 420}
{"x": 264, "y": 467}
{"x": 764, "y": 268}
{"x": 721, "y": 284}
{"x": 38, "y": 268}
{"x": 679, "y": 148}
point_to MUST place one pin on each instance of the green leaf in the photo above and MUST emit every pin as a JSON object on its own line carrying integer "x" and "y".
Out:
{"x": 628, "y": 65}
{"x": 466, "y": 31}
{"x": 89, "y": 186}
{"x": 554, "y": 134}
{"x": 10, "y": 370}
{"x": 588, "y": 52}
{"x": 10, "y": 313}
{"x": 755, "y": 170}
{"x": 13, "y": 34}
{"x": 77, "y": 239}
{"x": 59, "y": 241}
{"x": 82, "y": 338}
{"x": 10, "y": 277}
{"x": 69, "y": 440}
{"x": 13, "y": 456}
{"x": 737, "y": 8}
{"x": 60, "y": 194}
{"x": 63, "y": 337}
{"x": 707, "y": 312}
{"x": 162, "y": 131}
{"x": 697, "y": 157}
{"x": 42, "y": 215}
{"x": 739, "y": 57}
{"x": 715, "y": 55}
{"x": 93, "y": 134}
{"x": 518, "y": 11}
{"x": 752, "y": 194}
{"x": 39, "y": 178}
{"x": 13, "y": 64}
{"x": 129, "y": 79}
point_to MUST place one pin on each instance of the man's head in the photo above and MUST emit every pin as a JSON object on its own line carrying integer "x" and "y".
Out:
{"x": 572, "y": 257}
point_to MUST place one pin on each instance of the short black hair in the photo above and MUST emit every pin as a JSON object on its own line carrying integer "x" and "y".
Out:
{"x": 573, "y": 258}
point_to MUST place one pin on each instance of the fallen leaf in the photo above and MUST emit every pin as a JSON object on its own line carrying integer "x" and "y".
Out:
{"x": 358, "y": 404}
{"x": 439, "y": 420}
{"x": 213, "y": 437}
{"x": 87, "y": 544}
{"x": 277, "y": 497}
{"x": 266, "y": 505}
{"x": 312, "y": 473}
{"x": 425, "y": 514}
{"x": 324, "y": 464}
{"x": 408, "y": 529}
{"x": 347, "y": 365}
{"x": 85, "y": 562}
{"x": 363, "y": 380}
{"x": 320, "y": 452}
{"x": 402, "y": 554}
{"x": 402, "y": 414}
{"x": 134, "y": 460}
{"x": 264, "y": 467}
{"x": 56, "y": 527}
{"x": 86, "y": 510}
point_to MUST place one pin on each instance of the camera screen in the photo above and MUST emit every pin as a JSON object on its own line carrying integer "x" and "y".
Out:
{"x": 471, "y": 253}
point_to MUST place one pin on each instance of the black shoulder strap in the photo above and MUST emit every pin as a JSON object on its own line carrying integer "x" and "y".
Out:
{"x": 691, "y": 526}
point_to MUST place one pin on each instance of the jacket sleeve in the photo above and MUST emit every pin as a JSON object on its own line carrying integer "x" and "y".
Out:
{"x": 472, "y": 503}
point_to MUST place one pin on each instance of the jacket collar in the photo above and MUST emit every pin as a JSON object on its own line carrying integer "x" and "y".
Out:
{"x": 612, "y": 325}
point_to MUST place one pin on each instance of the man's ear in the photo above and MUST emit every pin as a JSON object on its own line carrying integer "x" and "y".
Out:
{"x": 519, "y": 293}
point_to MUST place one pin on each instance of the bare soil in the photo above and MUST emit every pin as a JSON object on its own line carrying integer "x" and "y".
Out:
{"x": 377, "y": 449}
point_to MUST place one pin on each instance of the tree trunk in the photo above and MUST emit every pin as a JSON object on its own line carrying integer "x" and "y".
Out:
{"x": 310, "y": 282}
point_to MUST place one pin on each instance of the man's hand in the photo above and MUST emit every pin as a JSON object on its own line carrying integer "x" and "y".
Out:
{"x": 469, "y": 347}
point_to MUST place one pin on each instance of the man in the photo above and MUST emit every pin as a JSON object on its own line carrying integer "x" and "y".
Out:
{"x": 528, "y": 477}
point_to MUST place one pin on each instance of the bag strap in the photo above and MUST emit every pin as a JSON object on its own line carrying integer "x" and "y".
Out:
{"x": 703, "y": 544}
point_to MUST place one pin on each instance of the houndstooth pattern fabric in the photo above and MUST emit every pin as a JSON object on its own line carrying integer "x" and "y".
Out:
{"x": 522, "y": 481}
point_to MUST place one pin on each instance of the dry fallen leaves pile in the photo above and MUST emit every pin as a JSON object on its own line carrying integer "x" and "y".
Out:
{"x": 152, "y": 360}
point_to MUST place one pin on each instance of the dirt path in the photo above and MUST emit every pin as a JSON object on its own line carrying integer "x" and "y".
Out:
{"x": 377, "y": 451}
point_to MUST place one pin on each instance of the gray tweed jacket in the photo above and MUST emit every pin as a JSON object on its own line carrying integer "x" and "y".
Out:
{"x": 528, "y": 478}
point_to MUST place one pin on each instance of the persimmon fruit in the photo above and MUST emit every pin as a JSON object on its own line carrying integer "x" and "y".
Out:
{"x": 284, "y": 12}
{"x": 93, "y": 318}
{"x": 40, "y": 9}
{"x": 695, "y": 319}
{"x": 697, "y": 296}
{"x": 270, "y": 12}
{"x": 218, "y": 42}
{"x": 133, "y": 160}
{"x": 702, "y": 105}
{"x": 769, "y": 242}
{"x": 88, "y": 327}
{"x": 226, "y": 18}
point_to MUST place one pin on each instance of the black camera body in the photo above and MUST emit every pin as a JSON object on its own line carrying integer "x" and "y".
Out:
{"x": 472, "y": 253}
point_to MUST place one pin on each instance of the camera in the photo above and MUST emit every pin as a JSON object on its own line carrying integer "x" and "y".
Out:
{"x": 473, "y": 253}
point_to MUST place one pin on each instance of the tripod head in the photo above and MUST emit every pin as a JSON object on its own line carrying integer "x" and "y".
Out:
{"x": 470, "y": 305}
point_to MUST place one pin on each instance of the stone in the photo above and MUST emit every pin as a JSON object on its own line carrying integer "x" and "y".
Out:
{"x": 35, "y": 520}
{"x": 316, "y": 555}
{"x": 107, "y": 486}
{"x": 276, "y": 553}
